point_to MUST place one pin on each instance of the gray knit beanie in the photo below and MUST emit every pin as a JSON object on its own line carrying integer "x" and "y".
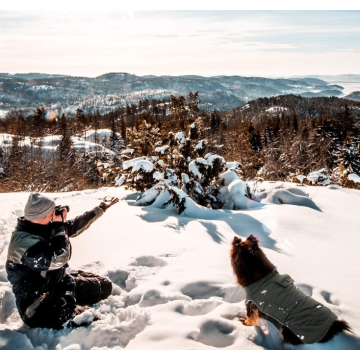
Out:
{"x": 38, "y": 206}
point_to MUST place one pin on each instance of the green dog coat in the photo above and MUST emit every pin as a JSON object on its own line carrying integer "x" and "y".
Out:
{"x": 278, "y": 297}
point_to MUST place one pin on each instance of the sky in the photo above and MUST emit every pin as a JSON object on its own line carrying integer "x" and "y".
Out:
{"x": 207, "y": 43}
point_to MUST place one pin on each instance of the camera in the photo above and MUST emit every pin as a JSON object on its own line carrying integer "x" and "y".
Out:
{"x": 60, "y": 208}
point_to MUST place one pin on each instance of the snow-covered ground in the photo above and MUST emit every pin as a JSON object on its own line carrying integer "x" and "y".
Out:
{"x": 51, "y": 142}
{"x": 3, "y": 113}
{"x": 174, "y": 286}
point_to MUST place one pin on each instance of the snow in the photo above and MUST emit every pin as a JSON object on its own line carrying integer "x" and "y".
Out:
{"x": 162, "y": 149}
{"x": 158, "y": 176}
{"x": 50, "y": 143}
{"x": 180, "y": 137}
{"x": 120, "y": 181}
{"x": 355, "y": 178}
{"x": 41, "y": 88}
{"x": 233, "y": 193}
{"x": 211, "y": 158}
{"x": 100, "y": 134}
{"x": 127, "y": 151}
{"x": 173, "y": 283}
{"x": 194, "y": 167}
{"x": 233, "y": 165}
{"x": 228, "y": 177}
{"x": 130, "y": 163}
{"x": 3, "y": 113}
{"x": 301, "y": 178}
{"x": 276, "y": 109}
{"x": 143, "y": 165}
{"x": 316, "y": 175}
{"x": 287, "y": 197}
{"x": 105, "y": 165}
{"x": 185, "y": 178}
{"x": 200, "y": 145}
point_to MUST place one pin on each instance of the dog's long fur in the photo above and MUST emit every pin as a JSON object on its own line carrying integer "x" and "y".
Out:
{"x": 249, "y": 264}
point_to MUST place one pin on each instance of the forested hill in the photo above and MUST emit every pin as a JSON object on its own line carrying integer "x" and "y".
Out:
{"x": 106, "y": 92}
{"x": 279, "y": 138}
{"x": 289, "y": 104}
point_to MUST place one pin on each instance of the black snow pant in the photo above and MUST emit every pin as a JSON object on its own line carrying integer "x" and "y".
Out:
{"x": 60, "y": 306}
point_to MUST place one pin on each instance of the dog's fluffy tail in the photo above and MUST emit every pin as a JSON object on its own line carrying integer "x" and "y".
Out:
{"x": 336, "y": 327}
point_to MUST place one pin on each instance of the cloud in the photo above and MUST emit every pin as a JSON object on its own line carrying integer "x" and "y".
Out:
{"x": 159, "y": 42}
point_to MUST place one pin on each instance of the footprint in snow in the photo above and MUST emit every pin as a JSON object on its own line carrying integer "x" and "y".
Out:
{"x": 328, "y": 297}
{"x": 149, "y": 261}
{"x": 205, "y": 290}
{"x": 198, "y": 307}
{"x": 217, "y": 333}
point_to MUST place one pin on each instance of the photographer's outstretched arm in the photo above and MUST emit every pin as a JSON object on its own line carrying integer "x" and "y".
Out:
{"x": 76, "y": 226}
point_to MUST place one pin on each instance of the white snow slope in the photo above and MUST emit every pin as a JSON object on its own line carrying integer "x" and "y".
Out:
{"x": 174, "y": 286}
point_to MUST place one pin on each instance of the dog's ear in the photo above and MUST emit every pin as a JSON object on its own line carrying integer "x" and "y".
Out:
{"x": 254, "y": 242}
{"x": 252, "y": 239}
{"x": 237, "y": 241}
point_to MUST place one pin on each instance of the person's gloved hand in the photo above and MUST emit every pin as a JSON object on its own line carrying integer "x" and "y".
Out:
{"x": 106, "y": 204}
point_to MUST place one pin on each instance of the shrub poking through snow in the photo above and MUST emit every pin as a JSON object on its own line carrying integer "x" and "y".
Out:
{"x": 171, "y": 169}
{"x": 318, "y": 178}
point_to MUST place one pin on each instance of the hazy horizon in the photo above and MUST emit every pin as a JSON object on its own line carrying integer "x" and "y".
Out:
{"x": 203, "y": 43}
{"x": 175, "y": 75}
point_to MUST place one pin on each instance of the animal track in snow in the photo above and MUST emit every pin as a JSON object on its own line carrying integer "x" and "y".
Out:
{"x": 150, "y": 261}
{"x": 217, "y": 333}
{"x": 155, "y": 297}
{"x": 328, "y": 297}
{"x": 322, "y": 296}
{"x": 206, "y": 290}
{"x": 127, "y": 278}
{"x": 118, "y": 277}
{"x": 198, "y": 307}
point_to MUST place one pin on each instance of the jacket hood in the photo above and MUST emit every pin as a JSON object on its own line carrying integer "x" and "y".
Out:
{"x": 36, "y": 229}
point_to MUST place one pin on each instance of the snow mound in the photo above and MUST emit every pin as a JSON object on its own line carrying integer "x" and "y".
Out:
{"x": 143, "y": 165}
{"x": 234, "y": 193}
{"x": 355, "y": 178}
{"x": 318, "y": 177}
{"x": 288, "y": 197}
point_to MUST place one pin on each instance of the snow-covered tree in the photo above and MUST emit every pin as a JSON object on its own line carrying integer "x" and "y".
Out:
{"x": 176, "y": 171}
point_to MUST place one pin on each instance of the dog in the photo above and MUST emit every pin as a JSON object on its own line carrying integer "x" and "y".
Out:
{"x": 274, "y": 297}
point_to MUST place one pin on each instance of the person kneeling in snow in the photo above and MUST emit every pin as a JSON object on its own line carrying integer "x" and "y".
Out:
{"x": 38, "y": 255}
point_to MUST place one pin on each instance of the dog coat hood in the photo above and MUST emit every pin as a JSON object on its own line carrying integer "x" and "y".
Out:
{"x": 278, "y": 297}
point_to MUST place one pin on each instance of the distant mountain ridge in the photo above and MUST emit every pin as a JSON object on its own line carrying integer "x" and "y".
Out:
{"x": 355, "y": 95}
{"x": 111, "y": 90}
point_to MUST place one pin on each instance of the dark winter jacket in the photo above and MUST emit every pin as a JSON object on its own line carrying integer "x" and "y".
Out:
{"x": 38, "y": 256}
{"x": 286, "y": 305}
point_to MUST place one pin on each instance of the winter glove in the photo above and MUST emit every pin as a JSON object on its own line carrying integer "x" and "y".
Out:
{"x": 105, "y": 204}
